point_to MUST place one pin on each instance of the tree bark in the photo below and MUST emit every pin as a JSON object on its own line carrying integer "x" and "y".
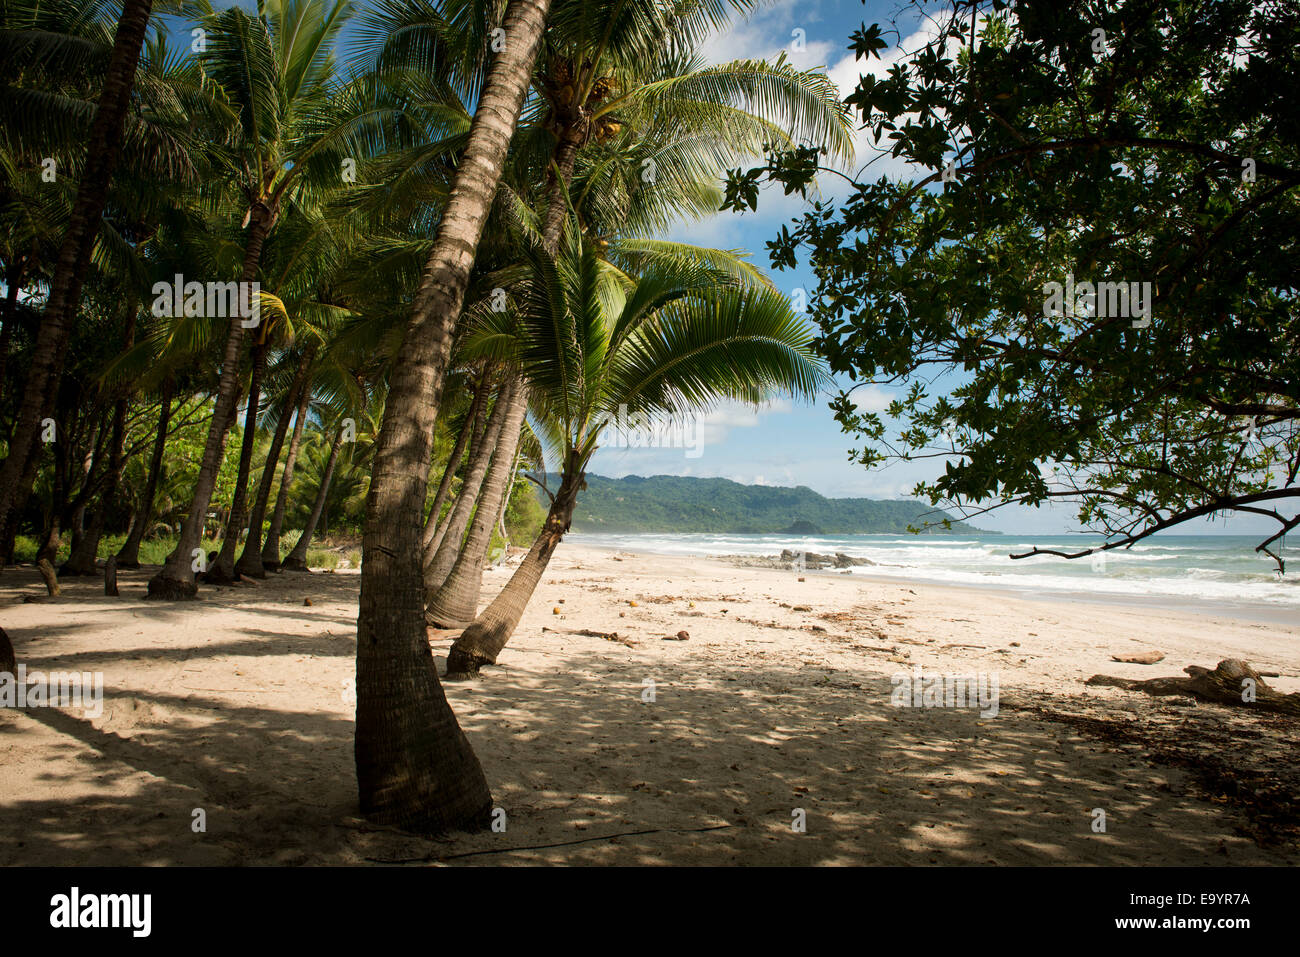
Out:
{"x": 250, "y": 562}
{"x": 296, "y": 560}
{"x": 453, "y": 529}
{"x": 129, "y": 555}
{"x": 176, "y": 579}
{"x": 84, "y": 555}
{"x": 482, "y": 641}
{"x": 50, "y": 578}
{"x": 110, "y": 577}
{"x": 415, "y": 767}
{"x": 505, "y": 505}
{"x": 1232, "y": 682}
{"x": 8, "y": 316}
{"x": 55, "y": 331}
{"x": 457, "y": 607}
{"x": 455, "y": 603}
{"x": 564, "y": 158}
{"x": 223, "y": 571}
{"x": 474, "y": 423}
{"x": 8, "y": 662}
{"x": 271, "y": 550}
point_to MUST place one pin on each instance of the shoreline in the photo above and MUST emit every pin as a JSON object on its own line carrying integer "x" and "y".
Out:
{"x": 1258, "y": 613}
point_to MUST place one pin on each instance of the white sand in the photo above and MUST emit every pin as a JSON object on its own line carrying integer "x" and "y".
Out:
{"x": 237, "y": 704}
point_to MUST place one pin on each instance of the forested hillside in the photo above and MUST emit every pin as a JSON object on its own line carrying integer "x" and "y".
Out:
{"x": 668, "y": 503}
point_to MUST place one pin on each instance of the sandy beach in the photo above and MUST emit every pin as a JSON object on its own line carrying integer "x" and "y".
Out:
{"x": 605, "y": 743}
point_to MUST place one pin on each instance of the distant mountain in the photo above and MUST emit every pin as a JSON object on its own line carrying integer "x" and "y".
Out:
{"x": 669, "y": 503}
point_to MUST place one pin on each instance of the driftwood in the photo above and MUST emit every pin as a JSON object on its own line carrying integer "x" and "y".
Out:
{"x": 1140, "y": 658}
{"x": 51, "y": 579}
{"x": 110, "y": 577}
{"x": 7, "y": 661}
{"x": 1232, "y": 682}
{"x": 588, "y": 633}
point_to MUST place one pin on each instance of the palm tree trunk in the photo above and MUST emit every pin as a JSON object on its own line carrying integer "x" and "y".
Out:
{"x": 9, "y": 315}
{"x": 453, "y": 530}
{"x": 505, "y": 505}
{"x": 55, "y": 331}
{"x": 296, "y": 560}
{"x": 271, "y": 550}
{"x": 434, "y": 536}
{"x": 456, "y": 611}
{"x": 51, "y": 539}
{"x": 415, "y": 767}
{"x": 473, "y": 426}
{"x": 563, "y": 159}
{"x": 91, "y": 470}
{"x": 250, "y": 562}
{"x": 176, "y": 579}
{"x": 455, "y": 603}
{"x": 129, "y": 556}
{"x": 482, "y": 641}
{"x": 223, "y": 571}
{"x": 82, "y": 559}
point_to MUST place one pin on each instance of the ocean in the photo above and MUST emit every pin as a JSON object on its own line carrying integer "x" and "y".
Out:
{"x": 1213, "y": 571}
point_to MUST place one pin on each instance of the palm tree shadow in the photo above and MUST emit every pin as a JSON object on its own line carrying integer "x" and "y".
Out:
{"x": 801, "y": 778}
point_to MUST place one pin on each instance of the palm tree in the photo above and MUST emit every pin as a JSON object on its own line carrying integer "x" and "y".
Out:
{"x": 271, "y": 549}
{"x": 303, "y": 255}
{"x": 620, "y": 94}
{"x": 470, "y": 428}
{"x": 453, "y": 593}
{"x": 415, "y": 767}
{"x": 677, "y": 340}
{"x": 295, "y": 127}
{"x": 296, "y": 560}
{"x": 616, "y": 73}
{"x": 250, "y": 561}
{"x": 102, "y": 153}
{"x": 128, "y": 555}
{"x": 505, "y": 414}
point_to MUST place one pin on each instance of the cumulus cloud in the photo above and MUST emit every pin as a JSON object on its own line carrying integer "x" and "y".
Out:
{"x": 871, "y": 398}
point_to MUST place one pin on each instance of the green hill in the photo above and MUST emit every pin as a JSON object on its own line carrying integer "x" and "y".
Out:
{"x": 668, "y": 503}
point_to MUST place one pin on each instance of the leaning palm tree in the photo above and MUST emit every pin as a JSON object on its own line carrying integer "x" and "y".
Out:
{"x": 593, "y": 350}
{"x": 415, "y": 767}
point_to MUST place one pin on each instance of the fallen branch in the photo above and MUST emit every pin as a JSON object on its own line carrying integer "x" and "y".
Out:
{"x": 1232, "y": 682}
{"x": 537, "y": 847}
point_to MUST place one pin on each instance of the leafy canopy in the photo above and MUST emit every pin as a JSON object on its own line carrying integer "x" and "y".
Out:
{"x": 1068, "y": 142}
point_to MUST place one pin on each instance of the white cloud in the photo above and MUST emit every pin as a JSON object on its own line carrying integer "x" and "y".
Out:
{"x": 871, "y": 398}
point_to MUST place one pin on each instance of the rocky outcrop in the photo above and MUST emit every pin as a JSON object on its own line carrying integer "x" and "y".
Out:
{"x": 815, "y": 562}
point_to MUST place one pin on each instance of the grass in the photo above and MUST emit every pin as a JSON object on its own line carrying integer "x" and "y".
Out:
{"x": 155, "y": 551}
